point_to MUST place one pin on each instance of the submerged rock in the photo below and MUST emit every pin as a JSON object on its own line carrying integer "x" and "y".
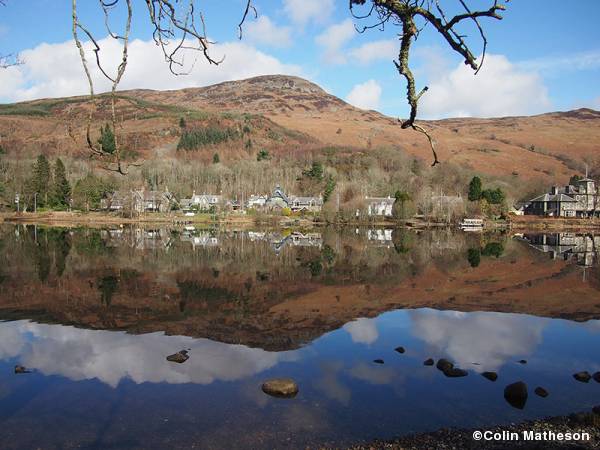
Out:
{"x": 516, "y": 394}
{"x": 378, "y": 361}
{"x": 523, "y": 361}
{"x": 280, "y": 387}
{"x": 428, "y": 362}
{"x": 455, "y": 372}
{"x": 21, "y": 369}
{"x": 179, "y": 357}
{"x": 584, "y": 376}
{"x": 444, "y": 364}
{"x": 540, "y": 391}
{"x": 492, "y": 376}
{"x": 400, "y": 349}
{"x": 596, "y": 377}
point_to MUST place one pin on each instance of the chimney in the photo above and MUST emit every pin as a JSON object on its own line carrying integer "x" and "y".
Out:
{"x": 554, "y": 190}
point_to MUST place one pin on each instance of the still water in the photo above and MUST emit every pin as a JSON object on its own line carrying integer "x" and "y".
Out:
{"x": 93, "y": 313}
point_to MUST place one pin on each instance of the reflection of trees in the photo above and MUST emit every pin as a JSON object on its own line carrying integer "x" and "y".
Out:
{"x": 108, "y": 286}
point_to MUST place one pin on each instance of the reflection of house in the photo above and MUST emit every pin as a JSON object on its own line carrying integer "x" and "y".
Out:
{"x": 579, "y": 200}
{"x": 380, "y": 237}
{"x": 379, "y": 206}
{"x": 201, "y": 202}
{"x": 583, "y": 247}
{"x": 199, "y": 239}
{"x": 279, "y": 200}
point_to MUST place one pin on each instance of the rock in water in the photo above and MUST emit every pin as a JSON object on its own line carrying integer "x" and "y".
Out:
{"x": 541, "y": 392}
{"x": 455, "y": 372}
{"x": 516, "y": 394}
{"x": 492, "y": 376}
{"x": 428, "y": 362}
{"x": 596, "y": 410}
{"x": 179, "y": 357}
{"x": 280, "y": 387}
{"x": 523, "y": 361}
{"x": 596, "y": 377}
{"x": 400, "y": 349}
{"x": 444, "y": 364}
{"x": 21, "y": 369}
{"x": 584, "y": 376}
{"x": 378, "y": 361}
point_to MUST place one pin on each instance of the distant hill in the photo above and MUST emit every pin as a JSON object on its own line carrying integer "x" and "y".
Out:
{"x": 289, "y": 111}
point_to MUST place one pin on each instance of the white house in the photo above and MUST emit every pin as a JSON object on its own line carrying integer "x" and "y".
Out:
{"x": 380, "y": 206}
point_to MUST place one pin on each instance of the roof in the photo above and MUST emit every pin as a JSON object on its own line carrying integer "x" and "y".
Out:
{"x": 389, "y": 200}
{"x": 553, "y": 198}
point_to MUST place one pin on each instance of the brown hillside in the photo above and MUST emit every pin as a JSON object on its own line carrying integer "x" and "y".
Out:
{"x": 550, "y": 146}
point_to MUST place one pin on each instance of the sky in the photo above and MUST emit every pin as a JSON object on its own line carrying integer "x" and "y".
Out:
{"x": 541, "y": 57}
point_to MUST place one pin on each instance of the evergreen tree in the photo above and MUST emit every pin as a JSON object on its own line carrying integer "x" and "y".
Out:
{"x": 40, "y": 181}
{"x": 216, "y": 158}
{"x": 182, "y": 123}
{"x": 61, "y": 189}
{"x": 475, "y": 189}
{"x": 107, "y": 140}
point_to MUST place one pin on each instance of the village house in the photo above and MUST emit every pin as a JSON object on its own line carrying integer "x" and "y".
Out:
{"x": 279, "y": 200}
{"x": 138, "y": 201}
{"x": 201, "y": 202}
{"x": 380, "y": 206}
{"x": 579, "y": 200}
{"x": 256, "y": 201}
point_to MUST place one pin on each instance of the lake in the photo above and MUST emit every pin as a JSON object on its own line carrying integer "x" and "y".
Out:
{"x": 92, "y": 315}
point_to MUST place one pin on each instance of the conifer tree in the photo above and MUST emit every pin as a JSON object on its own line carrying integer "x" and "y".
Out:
{"x": 61, "y": 189}
{"x": 40, "y": 181}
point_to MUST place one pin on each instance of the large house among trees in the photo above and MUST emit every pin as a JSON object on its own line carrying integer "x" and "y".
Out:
{"x": 581, "y": 198}
{"x": 279, "y": 200}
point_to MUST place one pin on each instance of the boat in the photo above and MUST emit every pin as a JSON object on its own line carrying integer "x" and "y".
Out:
{"x": 471, "y": 224}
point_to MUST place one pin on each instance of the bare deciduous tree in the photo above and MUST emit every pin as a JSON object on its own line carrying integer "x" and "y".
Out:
{"x": 179, "y": 25}
{"x": 11, "y": 59}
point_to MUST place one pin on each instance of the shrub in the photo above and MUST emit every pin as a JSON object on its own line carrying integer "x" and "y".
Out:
{"x": 201, "y": 137}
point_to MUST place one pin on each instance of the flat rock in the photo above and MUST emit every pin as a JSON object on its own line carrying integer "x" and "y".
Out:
{"x": 455, "y": 372}
{"x": 583, "y": 376}
{"x": 21, "y": 369}
{"x": 492, "y": 376}
{"x": 541, "y": 392}
{"x": 400, "y": 349}
{"x": 428, "y": 362}
{"x": 444, "y": 364}
{"x": 280, "y": 387}
{"x": 179, "y": 357}
{"x": 516, "y": 394}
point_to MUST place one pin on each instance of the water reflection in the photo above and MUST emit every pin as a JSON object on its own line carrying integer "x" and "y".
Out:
{"x": 486, "y": 339}
{"x": 344, "y": 397}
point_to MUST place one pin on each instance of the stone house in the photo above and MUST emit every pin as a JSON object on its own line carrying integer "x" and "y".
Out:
{"x": 138, "y": 201}
{"x": 579, "y": 200}
{"x": 279, "y": 200}
{"x": 201, "y": 202}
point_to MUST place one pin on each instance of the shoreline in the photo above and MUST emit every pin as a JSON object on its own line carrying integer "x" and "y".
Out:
{"x": 515, "y": 224}
{"x": 515, "y": 435}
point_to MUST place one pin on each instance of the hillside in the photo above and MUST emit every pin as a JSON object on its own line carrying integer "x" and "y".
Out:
{"x": 295, "y": 120}
{"x": 549, "y": 145}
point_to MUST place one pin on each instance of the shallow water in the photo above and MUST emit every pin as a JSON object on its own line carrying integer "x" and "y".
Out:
{"x": 94, "y": 313}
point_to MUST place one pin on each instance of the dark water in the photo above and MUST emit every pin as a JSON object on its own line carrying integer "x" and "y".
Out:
{"x": 94, "y": 313}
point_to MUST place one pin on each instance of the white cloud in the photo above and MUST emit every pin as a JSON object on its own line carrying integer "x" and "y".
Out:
{"x": 302, "y": 12}
{"x": 54, "y": 70}
{"x": 490, "y": 339}
{"x": 559, "y": 64}
{"x": 113, "y": 356}
{"x": 333, "y": 39}
{"x": 370, "y": 52}
{"x": 365, "y": 95}
{"x": 499, "y": 89}
{"x": 264, "y": 31}
{"x": 362, "y": 331}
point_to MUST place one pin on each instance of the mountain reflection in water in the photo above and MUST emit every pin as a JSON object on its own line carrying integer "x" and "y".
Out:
{"x": 94, "y": 313}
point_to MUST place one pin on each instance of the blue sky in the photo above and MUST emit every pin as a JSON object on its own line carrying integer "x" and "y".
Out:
{"x": 533, "y": 65}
